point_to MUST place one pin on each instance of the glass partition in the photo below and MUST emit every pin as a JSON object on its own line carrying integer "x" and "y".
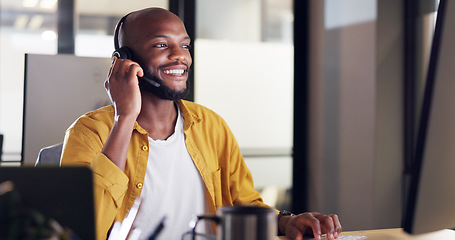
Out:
{"x": 244, "y": 71}
{"x": 27, "y": 26}
{"x": 30, "y": 26}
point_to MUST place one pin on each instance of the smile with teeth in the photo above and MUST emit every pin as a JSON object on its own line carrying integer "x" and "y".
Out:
{"x": 176, "y": 72}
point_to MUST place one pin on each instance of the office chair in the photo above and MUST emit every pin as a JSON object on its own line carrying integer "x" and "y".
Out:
{"x": 49, "y": 156}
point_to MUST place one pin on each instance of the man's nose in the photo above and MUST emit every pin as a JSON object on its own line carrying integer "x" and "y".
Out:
{"x": 177, "y": 53}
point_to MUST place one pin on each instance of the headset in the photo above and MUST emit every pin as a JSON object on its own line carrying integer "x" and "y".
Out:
{"x": 126, "y": 52}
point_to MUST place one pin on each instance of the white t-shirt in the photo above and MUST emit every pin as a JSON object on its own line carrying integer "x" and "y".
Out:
{"x": 173, "y": 188}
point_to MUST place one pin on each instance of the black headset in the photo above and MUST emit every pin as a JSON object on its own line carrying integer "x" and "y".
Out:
{"x": 126, "y": 52}
{"x": 121, "y": 52}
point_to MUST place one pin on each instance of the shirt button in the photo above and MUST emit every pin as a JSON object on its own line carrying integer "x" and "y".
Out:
{"x": 139, "y": 185}
{"x": 145, "y": 148}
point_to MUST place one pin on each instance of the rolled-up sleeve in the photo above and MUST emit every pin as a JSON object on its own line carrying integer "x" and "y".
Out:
{"x": 82, "y": 146}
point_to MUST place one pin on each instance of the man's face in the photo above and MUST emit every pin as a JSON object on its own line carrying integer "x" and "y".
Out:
{"x": 161, "y": 46}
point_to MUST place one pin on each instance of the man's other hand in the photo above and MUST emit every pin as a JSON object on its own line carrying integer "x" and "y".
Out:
{"x": 310, "y": 224}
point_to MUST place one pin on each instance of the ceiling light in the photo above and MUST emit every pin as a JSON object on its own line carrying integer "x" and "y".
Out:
{"x": 48, "y": 4}
{"x": 36, "y": 22}
{"x": 21, "y": 21}
{"x": 49, "y": 35}
{"x": 29, "y": 3}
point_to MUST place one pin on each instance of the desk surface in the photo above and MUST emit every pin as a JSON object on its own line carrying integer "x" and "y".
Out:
{"x": 396, "y": 234}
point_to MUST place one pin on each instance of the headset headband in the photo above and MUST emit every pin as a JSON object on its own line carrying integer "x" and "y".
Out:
{"x": 117, "y": 29}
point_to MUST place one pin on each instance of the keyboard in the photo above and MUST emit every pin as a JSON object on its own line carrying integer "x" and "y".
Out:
{"x": 345, "y": 237}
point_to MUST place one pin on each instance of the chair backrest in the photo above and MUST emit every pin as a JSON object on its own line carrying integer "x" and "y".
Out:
{"x": 49, "y": 156}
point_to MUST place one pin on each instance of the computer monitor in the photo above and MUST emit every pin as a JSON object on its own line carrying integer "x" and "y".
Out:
{"x": 57, "y": 90}
{"x": 64, "y": 194}
{"x": 430, "y": 203}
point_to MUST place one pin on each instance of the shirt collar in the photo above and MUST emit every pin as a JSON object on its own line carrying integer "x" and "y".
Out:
{"x": 190, "y": 118}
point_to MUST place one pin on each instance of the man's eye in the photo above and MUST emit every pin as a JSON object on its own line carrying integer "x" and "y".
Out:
{"x": 188, "y": 46}
{"x": 161, "y": 45}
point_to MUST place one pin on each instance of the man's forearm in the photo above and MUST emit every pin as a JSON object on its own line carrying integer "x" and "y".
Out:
{"x": 117, "y": 144}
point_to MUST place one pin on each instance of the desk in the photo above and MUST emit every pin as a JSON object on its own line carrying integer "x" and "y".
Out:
{"x": 396, "y": 234}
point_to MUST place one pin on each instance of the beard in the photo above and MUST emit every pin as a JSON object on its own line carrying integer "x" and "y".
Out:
{"x": 163, "y": 91}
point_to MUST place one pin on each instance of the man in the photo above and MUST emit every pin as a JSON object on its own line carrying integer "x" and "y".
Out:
{"x": 178, "y": 156}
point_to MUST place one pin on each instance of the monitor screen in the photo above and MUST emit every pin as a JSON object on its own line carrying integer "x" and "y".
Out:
{"x": 430, "y": 203}
{"x": 57, "y": 90}
{"x": 64, "y": 194}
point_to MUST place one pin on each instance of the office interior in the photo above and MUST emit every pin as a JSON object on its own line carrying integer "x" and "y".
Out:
{"x": 330, "y": 123}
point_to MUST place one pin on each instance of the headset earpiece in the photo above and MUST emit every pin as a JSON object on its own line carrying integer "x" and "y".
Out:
{"x": 123, "y": 53}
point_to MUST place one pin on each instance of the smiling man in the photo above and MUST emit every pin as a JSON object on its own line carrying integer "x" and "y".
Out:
{"x": 178, "y": 156}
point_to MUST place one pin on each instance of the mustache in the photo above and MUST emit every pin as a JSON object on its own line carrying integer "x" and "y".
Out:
{"x": 148, "y": 73}
{"x": 174, "y": 64}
